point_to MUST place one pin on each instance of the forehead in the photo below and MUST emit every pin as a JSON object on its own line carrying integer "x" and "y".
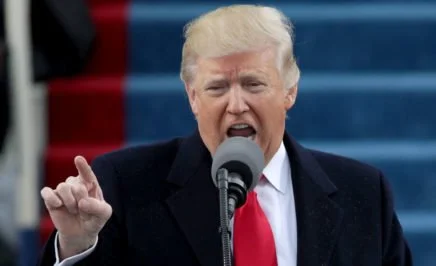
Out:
{"x": 252, "y": 62}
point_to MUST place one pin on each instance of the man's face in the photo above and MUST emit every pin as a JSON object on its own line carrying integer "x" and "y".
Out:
{"x": 241, "y": 95}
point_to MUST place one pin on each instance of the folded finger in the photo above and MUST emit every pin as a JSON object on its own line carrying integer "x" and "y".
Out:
{"x": 72, "y": 180}
{"x": 64, "y": 192}
{"x": 79, "y": 191}
{"x": 51, "y": 200}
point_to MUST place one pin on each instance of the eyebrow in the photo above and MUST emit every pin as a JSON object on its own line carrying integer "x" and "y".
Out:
{"x": 216, "y": 81}
{"x": 243, "y": 77}
{"x": 251, "y": 76}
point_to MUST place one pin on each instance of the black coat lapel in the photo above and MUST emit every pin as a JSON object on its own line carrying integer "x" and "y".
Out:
{"x": 318, "y": 217}
{"x": 195, "y": 206}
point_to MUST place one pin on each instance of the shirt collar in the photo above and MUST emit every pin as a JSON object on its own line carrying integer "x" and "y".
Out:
{"x": 278, "y": 170}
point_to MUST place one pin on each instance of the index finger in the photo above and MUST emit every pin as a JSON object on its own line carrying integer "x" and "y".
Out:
{"x": 85, "y": 172}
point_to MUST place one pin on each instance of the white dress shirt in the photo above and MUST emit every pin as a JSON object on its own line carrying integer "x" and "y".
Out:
{"x": 276, "y": 197}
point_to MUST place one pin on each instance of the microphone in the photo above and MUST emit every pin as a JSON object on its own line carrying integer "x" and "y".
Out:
{"x": 236, "y": 168}
{"x": 243, "y": 161}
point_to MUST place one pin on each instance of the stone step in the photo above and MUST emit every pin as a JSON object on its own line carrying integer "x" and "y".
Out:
{"x": 328, "y": 107}
{"x": 329, "y": 37}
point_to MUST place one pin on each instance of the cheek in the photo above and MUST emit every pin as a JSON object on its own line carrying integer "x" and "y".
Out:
{"x": 267, "y": 108}
{"x": 208, "y": 109}
{"x": 210, "y": 114}
{"x": 209, "y": 121}
{"x": 271, "y": 115}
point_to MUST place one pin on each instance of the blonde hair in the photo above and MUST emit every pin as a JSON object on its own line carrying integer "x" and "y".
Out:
{"x": 239, "y": 28}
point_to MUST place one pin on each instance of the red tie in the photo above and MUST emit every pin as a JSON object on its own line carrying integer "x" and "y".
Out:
{"x": 253, "y": 238}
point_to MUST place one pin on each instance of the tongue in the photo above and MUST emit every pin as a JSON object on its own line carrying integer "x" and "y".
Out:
{"x": 243, "y": 132}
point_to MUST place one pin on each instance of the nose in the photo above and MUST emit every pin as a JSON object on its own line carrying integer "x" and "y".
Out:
{"x": 237, "y": 104}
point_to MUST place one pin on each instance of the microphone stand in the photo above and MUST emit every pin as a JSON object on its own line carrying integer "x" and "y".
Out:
{"x": 223, "y": 183}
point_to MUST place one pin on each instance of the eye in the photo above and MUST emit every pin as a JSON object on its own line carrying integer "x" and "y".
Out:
{"x": 214, "y": 88}
{"x": 254, "y": 84}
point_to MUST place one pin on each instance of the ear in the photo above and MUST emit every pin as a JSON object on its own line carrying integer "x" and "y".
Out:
{"x": 290, "y": 97}
{"x": 190, "y": 91}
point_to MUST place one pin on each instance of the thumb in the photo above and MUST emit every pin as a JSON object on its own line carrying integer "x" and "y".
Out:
{"x": 91, "y": 208}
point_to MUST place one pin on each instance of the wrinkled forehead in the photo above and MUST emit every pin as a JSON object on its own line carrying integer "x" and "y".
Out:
{"x": 243, "y": 64}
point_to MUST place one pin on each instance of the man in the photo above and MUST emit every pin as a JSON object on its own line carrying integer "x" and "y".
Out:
{"x": 157, "y": 205}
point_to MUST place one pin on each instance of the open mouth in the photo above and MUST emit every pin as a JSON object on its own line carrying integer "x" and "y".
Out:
{"x": 241, "y": 130}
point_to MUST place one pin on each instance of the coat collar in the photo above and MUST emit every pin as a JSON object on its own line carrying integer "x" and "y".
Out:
{"x": 319, "y": 218}
{"x": 195, "y": 205}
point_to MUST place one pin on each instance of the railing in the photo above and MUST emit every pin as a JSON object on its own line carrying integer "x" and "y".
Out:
{"x": 17, "y": 19}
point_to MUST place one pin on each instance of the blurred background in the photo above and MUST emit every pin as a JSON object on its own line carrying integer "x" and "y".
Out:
{"x": 88, "y": 76}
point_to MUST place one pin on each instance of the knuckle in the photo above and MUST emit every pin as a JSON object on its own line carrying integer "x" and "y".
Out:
{"x": 78, "y": 190}
{"x": 82, "y": 189}
{"x": 64, "y": 187}
{"x": 64, "y": 192}
{"x": 71, "y": 180}
{"x": 108, "y": 213}
{"x": 67, "y": 197}
{"x": 61, "y": 186}
{"x": 80, "y": 186}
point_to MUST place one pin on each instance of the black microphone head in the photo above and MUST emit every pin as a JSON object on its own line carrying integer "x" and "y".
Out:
{"x": 242, "y": 156}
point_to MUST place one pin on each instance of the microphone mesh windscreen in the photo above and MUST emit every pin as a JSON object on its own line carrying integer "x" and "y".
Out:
{"x": 242, "y": 156}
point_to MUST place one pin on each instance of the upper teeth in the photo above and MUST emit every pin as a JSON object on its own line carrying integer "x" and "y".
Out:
{"x": 240, "y": 126}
